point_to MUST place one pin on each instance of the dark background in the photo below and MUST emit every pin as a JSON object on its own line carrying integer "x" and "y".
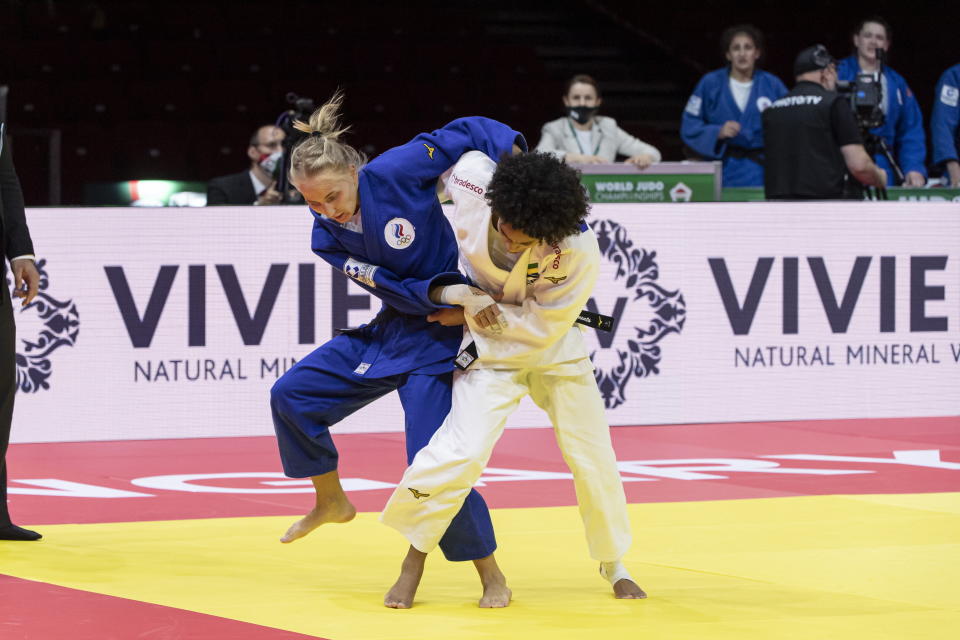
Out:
{"x": 173, "y": 90}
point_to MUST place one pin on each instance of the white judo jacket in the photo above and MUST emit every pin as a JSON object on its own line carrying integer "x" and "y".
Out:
{"x": 543, "y": 294}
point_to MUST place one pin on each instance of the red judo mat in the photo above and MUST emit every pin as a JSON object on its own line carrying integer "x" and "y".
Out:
{"x": 121, "y": 481}
{"x": 26, "y": 608}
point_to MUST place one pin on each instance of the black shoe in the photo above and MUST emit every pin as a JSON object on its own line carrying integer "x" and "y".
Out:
{"x": 13, "y": 532}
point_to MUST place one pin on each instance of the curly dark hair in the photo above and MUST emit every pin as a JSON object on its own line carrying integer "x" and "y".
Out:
{"x": 539, "y": 195}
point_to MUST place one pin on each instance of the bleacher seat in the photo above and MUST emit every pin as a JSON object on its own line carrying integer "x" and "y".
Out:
{"x": 153, "y": 149}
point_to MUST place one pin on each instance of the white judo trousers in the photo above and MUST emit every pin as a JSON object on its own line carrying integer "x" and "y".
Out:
{"x": 435, "y": 485}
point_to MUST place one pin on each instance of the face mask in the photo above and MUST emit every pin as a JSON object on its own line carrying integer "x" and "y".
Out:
{"x": 271, "y": 162}
{"x": 581, "y": 114}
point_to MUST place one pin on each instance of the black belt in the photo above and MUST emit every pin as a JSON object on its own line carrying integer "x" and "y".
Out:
{"x": 593, "y": 320}
{"x": 741, "y": 152}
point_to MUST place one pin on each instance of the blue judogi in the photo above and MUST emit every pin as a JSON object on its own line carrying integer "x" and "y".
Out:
{"x": 710, "y": 105}
{"x": 406, "y": 247}
{"x": 944, "y": 130}
{"x": 903, "y": 126}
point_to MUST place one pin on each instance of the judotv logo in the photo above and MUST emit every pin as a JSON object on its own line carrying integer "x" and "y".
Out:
{"x": 59, "y": 326}
{"x": 652, "y": 311}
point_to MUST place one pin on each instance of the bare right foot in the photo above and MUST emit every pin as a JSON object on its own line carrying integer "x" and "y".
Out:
{"x": 404, "y": 590}
{"x": 332, "y": 506}
{"x": 331, "y": 513}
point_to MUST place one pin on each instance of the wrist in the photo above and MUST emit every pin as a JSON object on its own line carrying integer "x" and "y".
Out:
{"x": 453, "y": 294}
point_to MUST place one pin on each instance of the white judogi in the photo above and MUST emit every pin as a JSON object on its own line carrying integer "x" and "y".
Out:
{"x": 541, "y": 353}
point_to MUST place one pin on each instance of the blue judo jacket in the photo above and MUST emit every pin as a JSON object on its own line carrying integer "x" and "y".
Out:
{"x": 944, "y": 130}
{"x": 711, "y": 104}
{"x": 903, "y": 126}
{"x": 407, "y": 245}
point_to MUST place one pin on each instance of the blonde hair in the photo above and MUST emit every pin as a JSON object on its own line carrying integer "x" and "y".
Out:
{"x": 321, "y": 150}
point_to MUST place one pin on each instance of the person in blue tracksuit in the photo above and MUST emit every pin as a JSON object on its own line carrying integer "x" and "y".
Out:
{"x": 903, "y": 125}
{"x": 381, "y": 224}
{"x": 722, "y": 118}
{"x": 945, "y": 124}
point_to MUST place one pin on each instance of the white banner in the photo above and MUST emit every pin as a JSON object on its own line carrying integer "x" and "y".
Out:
{"x": 168, "y": 323}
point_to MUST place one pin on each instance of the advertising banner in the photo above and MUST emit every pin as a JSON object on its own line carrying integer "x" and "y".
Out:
{"x": 662, "y": 182}
{"x": 162, "y": 323}
{"x": 902, "y": 194}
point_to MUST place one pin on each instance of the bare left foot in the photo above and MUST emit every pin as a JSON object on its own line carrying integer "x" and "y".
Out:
{"x": 404, "y": 590}
{"x": 496, "y": 594}
{"x": 626, "y": 589}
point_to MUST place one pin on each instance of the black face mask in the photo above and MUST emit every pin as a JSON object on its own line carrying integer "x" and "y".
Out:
{"x": 581, "y": 114}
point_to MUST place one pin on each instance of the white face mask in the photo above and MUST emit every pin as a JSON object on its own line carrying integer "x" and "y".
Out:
{"x": 271, "y": 163}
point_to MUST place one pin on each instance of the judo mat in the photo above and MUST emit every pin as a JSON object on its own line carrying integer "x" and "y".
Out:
{"x": 827, "y": 529}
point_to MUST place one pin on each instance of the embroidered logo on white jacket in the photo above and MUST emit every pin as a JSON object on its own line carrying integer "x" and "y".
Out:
{"x": 399, "y": 233}
{"x": 360, "y": 271}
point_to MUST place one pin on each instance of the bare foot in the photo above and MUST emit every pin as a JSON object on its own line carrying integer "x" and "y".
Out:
{"x": 332, "y": 506}
{"x": 496, "y": 594}
{"x": 316, "y": 517}
{"x": 402, "y": 592}
{"x": 626, "y": 589}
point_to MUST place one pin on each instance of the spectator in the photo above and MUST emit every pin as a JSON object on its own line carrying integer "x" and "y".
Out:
{"x": 583, "y": 137}
{"x": 722, "y": 118}
{"x": 813, "y": 139}
{"x": 256, "y": 185}
{"x": 903, "y": 125}
{"x": 944, "y": 130}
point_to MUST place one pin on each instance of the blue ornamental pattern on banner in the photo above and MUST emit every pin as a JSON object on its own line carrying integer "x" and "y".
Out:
{"x": 60, "y": 326}
{"x": 666, "y": 312}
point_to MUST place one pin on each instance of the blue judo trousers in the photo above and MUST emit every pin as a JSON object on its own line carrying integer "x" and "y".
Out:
{"x": 405, "y": 248}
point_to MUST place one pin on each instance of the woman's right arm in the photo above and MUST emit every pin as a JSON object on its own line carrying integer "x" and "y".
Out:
{"x": 695, "y": 130}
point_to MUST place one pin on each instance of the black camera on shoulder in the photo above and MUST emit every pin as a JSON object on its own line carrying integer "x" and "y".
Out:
{"x": 300, "y": 109}
{"x": 865, "y": 95}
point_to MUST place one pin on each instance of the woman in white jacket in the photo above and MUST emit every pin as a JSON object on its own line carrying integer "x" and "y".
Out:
{"x": 583, "y": 137}
{"x": 522, "y": 239}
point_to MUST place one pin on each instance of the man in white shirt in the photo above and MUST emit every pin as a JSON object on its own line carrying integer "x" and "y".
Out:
{"x": 522, "y": 239}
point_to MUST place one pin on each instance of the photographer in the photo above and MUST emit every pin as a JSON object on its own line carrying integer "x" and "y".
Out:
{"x": 812, "y": 139}
{"x": 257, "y": 184}
{"x": 902, "y": 127}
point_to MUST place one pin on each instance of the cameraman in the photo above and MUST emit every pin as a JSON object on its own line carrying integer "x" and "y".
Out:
{"x": 255, "y": 185}
{"x": 812, "y": 139}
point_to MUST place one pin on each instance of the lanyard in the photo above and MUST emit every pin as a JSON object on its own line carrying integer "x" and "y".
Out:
{"x": 577, "y": 139}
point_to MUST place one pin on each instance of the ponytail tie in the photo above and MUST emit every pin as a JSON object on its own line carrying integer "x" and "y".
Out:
{"x": 316, "y": 134}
